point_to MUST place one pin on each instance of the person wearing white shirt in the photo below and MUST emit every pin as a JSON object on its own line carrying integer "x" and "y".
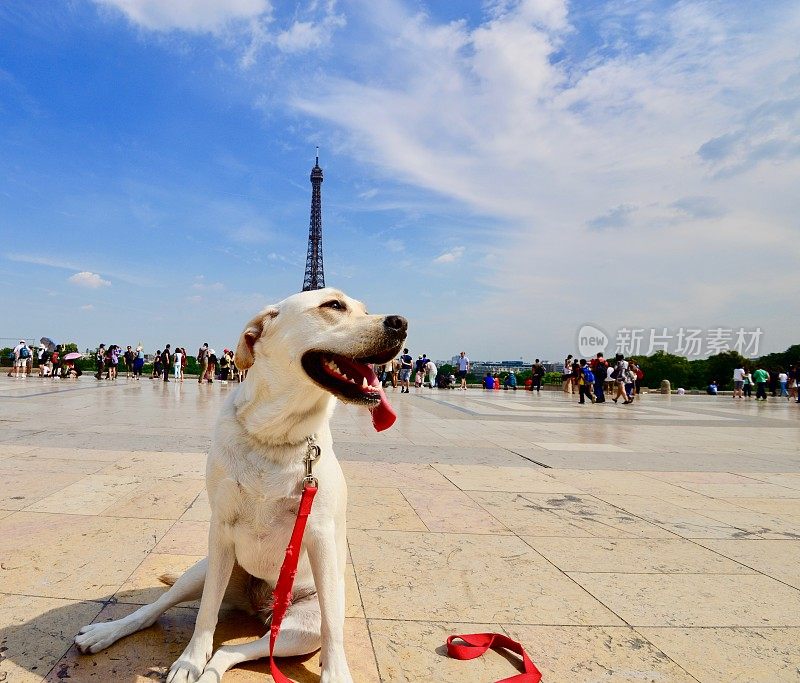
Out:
{"x": 738, "y": 382}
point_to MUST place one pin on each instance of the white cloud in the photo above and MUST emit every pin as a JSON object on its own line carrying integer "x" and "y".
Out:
{"x": 87, "y": 279}
{"x": 450, "y": 256}
{"x": 87, "y": 307}
{"x": 302, "y": 36}
{"x": 204, "y": 16}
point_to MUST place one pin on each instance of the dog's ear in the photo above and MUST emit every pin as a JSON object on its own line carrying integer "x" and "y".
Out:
{"x": 244, "y": 357}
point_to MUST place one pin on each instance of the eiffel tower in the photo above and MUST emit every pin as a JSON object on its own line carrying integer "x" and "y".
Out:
{"x": 315, "y": 277}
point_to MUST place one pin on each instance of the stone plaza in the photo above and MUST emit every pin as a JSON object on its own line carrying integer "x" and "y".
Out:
{"x": 653, "y": 542}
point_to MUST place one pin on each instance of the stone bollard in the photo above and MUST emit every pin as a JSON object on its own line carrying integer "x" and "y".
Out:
{"x": 665, "y": 387}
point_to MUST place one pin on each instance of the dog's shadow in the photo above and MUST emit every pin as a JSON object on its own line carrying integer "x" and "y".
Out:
{"x": 42, "y": 644}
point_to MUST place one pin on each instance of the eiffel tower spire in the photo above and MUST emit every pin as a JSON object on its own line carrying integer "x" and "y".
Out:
{"x": 315, "y": 277}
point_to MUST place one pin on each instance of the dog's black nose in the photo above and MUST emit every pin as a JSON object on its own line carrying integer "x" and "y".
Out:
{"x": 396, "y": 322}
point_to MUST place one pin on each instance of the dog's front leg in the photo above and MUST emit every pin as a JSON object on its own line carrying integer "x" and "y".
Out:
{"x": 221, "y": 558}
{"x": 327, "y": 564}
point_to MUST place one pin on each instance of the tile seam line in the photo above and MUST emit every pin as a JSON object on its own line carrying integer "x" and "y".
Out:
{"x": 625, "y": 621}
{"x": 695, "y": 542}
{"x": 364, "y": 612}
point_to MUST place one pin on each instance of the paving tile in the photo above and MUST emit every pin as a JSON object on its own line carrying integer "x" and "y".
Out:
{"x": 751, "y": 489}
{"x": 164, "y": 465}
{"x": 52, "y": 452}
{"x": 412, "y": 651}
{"x": 50, "y": 465}
{"x": 681, "y": 521}
{"x": 760, "y": 524}
{"x": 619, "y": 483}
{"x": 518, "y": 479}
{"x": 776, "y": 506}
{"x": 705, "y": 600}
{"x": 398, "y": 475}
{"x": 735, "y": 655}
{"x": 36, "y": 632}
{"x": 73, "y": 556}
{"x": 199, "y": 510}
{"x": 423, "y": 576}
{"x": 564, "y": 515}
{"x": 21, "y": 488}
{"x": 381, "y": 508}
{"x": 157, "y": 499}
{"x": 453, "y": 511}
{"x": 185, "y": 538}
{"x": 577, "y": 446}
{"x": 778, "y": 559}
{"x": 89, "y": 496}
{"x": 634, "y": 556}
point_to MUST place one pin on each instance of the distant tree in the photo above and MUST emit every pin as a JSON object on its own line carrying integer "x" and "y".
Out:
{"x": 69, "y": 347}
{"x": 662, "y": 365}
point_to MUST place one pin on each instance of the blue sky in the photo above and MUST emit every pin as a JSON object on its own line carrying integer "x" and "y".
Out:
{"x": 500, "y": 172}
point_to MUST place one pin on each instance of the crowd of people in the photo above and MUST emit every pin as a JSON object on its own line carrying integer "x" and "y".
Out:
{"x": 594, "y": 378}
{"x": 110, "y": 360}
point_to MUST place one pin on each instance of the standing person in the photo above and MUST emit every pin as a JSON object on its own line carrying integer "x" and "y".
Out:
{"x": 42, "y": 359}
{"x": 224, "y": 366}
{"x": 620, "y": 377}
{"x": 184, "y": 362}
{"x": 738, "y": 382}
{"x": 748, "y": 384}
{"x": 419, "y": 375}
{"x": 537, "y": 375}
{"x": 55, "y": 359}
{"x": 463, "y": 369}
{"x": 773, "y": 382}
{"x": 138, "y": 362}
{"x": 431, "y": 369}
{"x": 566, "y": 375}
{"x": 128, "y": 357}
{"x": 156, "y": 365}
{"x": 585, "y": 382}
{"x": 783, "y": 380}
{"x": 100, "y": 361}
{"x": 177, "y": 359}
{"x": 113, "y": 356}
{"x": 21, "y": 355}
{"x": 761, "y": 377}
{"x": 405, "y": 371}
{"x": 202, "y": 361}
{"x": 792, "y": 382}
{"x": 212, "y": 365}
{"x": 166, "y": 358}
{"x": 600, "y": 370}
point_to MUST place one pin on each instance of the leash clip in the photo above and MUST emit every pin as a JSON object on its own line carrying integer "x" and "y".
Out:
{"x": 312, "y": 454}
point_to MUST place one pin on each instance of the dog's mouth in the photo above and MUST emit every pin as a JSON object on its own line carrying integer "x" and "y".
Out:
{"x": 353, "y": 381}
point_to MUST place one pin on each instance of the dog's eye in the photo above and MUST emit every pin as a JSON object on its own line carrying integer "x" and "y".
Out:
{"x": 335, "y": 305}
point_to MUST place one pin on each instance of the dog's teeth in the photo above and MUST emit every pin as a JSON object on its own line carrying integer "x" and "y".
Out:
{"x": 364, "y": 383}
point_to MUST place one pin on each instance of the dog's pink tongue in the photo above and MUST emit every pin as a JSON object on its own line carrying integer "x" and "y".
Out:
{"x": 383, "y": 415}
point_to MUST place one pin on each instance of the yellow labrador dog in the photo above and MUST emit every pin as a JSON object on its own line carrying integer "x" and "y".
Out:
{"x": 302, "y": 354}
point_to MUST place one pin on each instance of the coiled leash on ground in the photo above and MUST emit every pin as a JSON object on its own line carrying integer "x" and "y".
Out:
{"x": 476, "y": 643}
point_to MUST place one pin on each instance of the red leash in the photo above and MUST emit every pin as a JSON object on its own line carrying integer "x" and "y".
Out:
{"x": 476, "y": 643}
{"x": 283, "y": 589}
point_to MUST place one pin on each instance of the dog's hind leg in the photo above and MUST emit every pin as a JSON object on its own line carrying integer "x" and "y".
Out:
{"x": 189, "y": 586}
{"x": 300, "y": 635}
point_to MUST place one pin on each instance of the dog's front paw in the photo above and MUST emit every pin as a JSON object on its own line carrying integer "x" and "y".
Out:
{"x": 336, "y": 673}
{"x": 191, "y": 663}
